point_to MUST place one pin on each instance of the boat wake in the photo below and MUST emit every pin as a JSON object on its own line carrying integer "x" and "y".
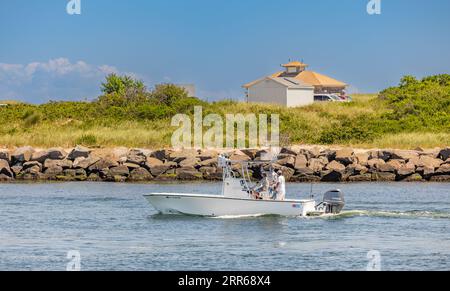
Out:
{"x": 357, "y": 213}
{"x": 389, "y": 214}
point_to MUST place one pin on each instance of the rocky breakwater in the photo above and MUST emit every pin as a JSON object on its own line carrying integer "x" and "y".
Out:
{"x": 299, "y": 164}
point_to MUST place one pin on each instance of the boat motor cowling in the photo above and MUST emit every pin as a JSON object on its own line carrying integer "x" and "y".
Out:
{"x": 333, "y": 201}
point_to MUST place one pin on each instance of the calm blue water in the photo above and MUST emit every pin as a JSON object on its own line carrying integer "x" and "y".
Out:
{"x": 114, "y": 228}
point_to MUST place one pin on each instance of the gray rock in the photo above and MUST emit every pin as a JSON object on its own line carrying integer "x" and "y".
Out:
{"x": 136, "y": 157}
{"x": 362, "y": 158}
{"x": 189, "y": 162}
{"x": 405, "y": 155}
{"x": 120, "y": 171}
{"x": 161, "y": 155}
{"x": 375, "y": 163}
{"x": 74, "y": 174}
{"x": 152, "y": 162}
{"x": 380, "y": 154}
{"x": 57, "y": 153}
{"x": 316, "y": 165}
{"x": 84, "y": 163}
{"x": 288, "y": 151}
{"x": 65, "y": 164}
{"x": 301, "y": 162}
{"x": 22, "y": 155}
{"x": 335, "y": 166}
{"x": 288, "y": 161}
{"x": 208, "y": 155}
{"x": 79, "y": 152}
{"x": 17, "y": 169}
{"x": 386, "y": 168}
{"x": 103, "y": 163}
{"x": 251, "y": 153}
{"x": 159, "y": 170}
{"x": 384, "y": 177}
{"x": 131, "y": 166}
{"x": 4, "y": 155}
{"x": 361, "y": 178}
{"x": 209, "y": 163}
{"x": 413, "y": 178}
{"x": 140, "y": 175}
{"x": 441, "y": 178}
{"x": 430, "y": 162}
{"x": 331, "y": 176}
{"x": 54, "y": 171}
{"x": 32, "y": 164}
{"x": 444, "y": 154}
{"x": 443, "y": 170}
{"x": 189, "y": 173}
{"x": 345, "y": 156}
{"x": 5, "y": 169}
{"x": 5, "y": 178}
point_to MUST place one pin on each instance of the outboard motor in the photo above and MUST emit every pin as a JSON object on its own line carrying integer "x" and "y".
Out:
{"x": 333, "y": 202}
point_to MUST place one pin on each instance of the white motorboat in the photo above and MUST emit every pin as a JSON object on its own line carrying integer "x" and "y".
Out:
{"x": 239, "y": 198}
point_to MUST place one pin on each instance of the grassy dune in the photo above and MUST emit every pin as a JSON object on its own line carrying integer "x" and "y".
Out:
{"x": 39, "y": 126}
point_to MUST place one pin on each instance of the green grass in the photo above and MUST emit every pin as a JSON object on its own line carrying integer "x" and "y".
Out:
{"x": 415, "y": 114}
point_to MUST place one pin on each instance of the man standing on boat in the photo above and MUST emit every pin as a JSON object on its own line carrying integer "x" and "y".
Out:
{"x": 281, "y": 187}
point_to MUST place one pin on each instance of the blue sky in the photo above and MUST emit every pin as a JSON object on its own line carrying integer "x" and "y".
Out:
{"x": 46, "y": 54}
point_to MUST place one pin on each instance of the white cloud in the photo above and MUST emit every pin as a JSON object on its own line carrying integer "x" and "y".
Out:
{"x": 57, "y": 79}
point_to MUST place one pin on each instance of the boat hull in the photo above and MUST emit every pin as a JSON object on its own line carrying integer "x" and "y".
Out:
{"x": 216, "y": 206}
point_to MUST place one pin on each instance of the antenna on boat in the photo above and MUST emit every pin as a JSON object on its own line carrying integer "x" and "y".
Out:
{"x": 311, "y": 195}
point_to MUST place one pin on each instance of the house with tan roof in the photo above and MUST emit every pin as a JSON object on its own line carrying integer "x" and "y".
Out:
{"x": 310, "y": 82}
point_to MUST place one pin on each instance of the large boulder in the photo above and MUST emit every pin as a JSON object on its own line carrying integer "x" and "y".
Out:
{"x": 440, "y": 178}
{"x": 335, "y": 166}
{"x": 37, "y": 167}
{"x": 405, "y": 155}
{"x": 161, "y": 155}
{"x": 443, "y": 170}
{"x": 103, "y": 163}
{"x": 79, "y": 152}
{"x": 384, "y": 177}
{"x": 209, "y": 163}
{"x": 84, "y": 163}
{"x": 73, "y": 175}
{"x": 316, "y": 165}
{"x": 375, "y": 163}
{"x": 188, "y": 173}
{"x": 444, "y": 154}
{"x": 380, "y": 154}
{"x": 179, "y": 156}
{"x": 5, "y": 169}
{"x": 251, "y": 153}
{"x": 53, "y": 154}
{"x": 137, "y": 157}
{"x": 22, "y": 155}
{"x": 413, "y": 178}
{"x": 331, "y": 176}
{"x": 65, "y": 164}
{"x": 288, "y": 161}
{"x": 152, "y": 162}
{"x": 301, "y": 161}
{"x": 360, "y": 178}
{"x": 159, "y": 170}
{"x": 362, "y": 158}
{"x": 189, "y": 162}
{"x": 345, "y": 156}
{"x": 430, "y": 162}
{"x": 4, "y": 155}
{"x": 140, "y": 175}
{"x": 54, "y": 171}
{"x": 120, "y": 171}
{"x": 208, "y": 154}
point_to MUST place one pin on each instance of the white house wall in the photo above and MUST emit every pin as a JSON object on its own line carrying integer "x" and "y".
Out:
{"x": 300, "y": 97}
{"x": 267, "y": 91}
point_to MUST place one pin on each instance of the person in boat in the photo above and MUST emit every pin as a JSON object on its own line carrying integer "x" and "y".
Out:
{"x": 263, "y": 186}
{"x": 281, "y": 187}
{"x": 273, "y": 182}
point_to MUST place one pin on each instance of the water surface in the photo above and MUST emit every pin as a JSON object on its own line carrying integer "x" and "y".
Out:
{"x": 114, "y": 228}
